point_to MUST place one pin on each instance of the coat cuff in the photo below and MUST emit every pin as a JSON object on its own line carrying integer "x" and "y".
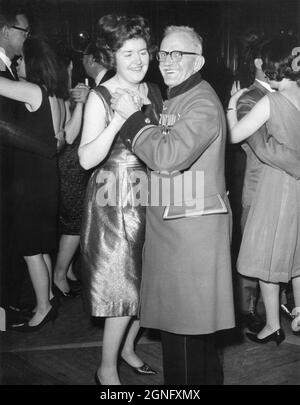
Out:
{"x": 134, "y": 127}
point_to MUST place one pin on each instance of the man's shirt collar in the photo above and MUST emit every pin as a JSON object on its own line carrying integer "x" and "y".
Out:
{"x": 4, "y": 57}
{"x": 100, "y": 76}
{"x": 185, "y": 86}
{"x": 265, "y": 85}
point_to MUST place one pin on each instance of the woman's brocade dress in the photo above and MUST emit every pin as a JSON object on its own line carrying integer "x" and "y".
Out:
{"x": 113, "y": 227}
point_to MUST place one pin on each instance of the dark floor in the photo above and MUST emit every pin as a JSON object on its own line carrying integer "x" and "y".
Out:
{"x": 68, "y": 352}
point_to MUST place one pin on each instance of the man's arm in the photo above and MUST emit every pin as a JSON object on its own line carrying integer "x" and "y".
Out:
{"x": 183, "y": 143}
{"x": 268, "y": 149}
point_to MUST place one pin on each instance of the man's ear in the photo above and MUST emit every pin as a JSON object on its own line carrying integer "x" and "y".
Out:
{"x": 199, "y": 62}
{"x": 5, "y": 31}
{"x": 258, "y": 63}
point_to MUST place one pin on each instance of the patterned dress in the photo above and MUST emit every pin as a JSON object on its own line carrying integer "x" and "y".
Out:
{"x": 73, "y": 182}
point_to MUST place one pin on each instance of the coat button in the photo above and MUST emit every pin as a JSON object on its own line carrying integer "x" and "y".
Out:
{"x": 147, "y": 121}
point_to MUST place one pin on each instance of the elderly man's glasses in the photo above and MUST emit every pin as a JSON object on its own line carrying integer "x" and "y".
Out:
{"x": 25, "y": 30}
{"x": 176, "y": 56}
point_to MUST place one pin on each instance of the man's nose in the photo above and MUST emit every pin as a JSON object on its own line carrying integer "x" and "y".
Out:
{"x": 168, "y": 60}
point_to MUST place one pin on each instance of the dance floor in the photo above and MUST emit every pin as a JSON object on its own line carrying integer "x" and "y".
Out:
{"x": 68, "y": 352}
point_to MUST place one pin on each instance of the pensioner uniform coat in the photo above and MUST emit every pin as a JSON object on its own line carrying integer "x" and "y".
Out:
{"x": 186, "y": 282}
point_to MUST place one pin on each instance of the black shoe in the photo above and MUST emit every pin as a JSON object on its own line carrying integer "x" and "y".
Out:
{"x": 70, "y": 294}
{"x": 55, "y": 302}
{"x": 144, "y": 369}
{"x": 75, "y": 285}
{"x": 16, "y": 317}
{"x": 278, "y": 336}
{"x": 253, "y": 322}
{"x": 50, "y": 316}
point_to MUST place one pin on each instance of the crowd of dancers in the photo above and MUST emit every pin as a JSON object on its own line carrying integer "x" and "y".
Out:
{"x": 73, "y": 158}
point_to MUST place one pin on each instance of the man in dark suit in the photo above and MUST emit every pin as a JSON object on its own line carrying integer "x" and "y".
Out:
{"x": 259, "y": 151}
{"x": 93, "y": 65}
{"x": 14, "y": 29}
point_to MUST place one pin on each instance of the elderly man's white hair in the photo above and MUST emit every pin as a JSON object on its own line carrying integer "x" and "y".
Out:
{"x": 195, "y": 37}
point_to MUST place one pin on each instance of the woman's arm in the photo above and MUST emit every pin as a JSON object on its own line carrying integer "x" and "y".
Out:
{"x": 73, "y": 122}
{"x": 96, "y": 139}
{"x": 250, "y": 123}
{"x": 74, "y": 119}
{"x": 23, "y": 91}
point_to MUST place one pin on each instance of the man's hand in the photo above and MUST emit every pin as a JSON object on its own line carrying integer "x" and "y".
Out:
{"x": 125, "y": 102}
{"x": 79, "y": 93}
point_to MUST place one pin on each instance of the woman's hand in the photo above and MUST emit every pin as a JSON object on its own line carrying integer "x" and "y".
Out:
{"x": 235, "y": 87}
{"x": 234, "y": 98}
{"x": 125, "y": 102}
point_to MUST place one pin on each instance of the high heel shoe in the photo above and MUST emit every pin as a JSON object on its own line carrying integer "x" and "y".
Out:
{"x": 50, "y": 316}
{"x": 97, "y": 379}
{"x": 144, "y": 369}
{"x": 55, "y": 302}
{"x": 278, "y": 336}
{"x": 62, "y": 294}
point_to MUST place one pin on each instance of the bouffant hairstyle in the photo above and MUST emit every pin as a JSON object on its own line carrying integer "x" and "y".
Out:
{"x": 278, "y": 60}
{"x": 41, "y": 65}
{"x": 250, "y": 46}
{"x": 114, "y": 30}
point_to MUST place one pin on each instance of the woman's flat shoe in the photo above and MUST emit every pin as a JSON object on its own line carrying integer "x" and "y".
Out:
{"x": 144, "y": 369}
{"x": 278, "y": 336}
{"x": 50, "y": 316}
{"x": 70, "y": 294}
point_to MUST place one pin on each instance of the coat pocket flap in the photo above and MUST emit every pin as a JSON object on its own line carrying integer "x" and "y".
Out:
{"x": 203, "y": 206}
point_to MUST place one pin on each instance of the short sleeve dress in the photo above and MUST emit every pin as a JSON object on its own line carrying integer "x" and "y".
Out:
{"x": 270, "y": 248}
{"x": 113, "y": 228}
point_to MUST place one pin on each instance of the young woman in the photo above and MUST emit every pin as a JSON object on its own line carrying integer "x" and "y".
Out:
{"x": 73, "y": 182}
{"x": 113, "y": 231}
{"x": 270, "y": 249}
{"x": 36, "y": 177}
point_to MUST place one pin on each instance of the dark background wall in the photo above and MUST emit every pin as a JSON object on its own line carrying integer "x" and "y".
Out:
{"x": 220, "y": 23}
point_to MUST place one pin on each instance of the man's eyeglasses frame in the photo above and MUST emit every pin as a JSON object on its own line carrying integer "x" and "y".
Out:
{"x": 25, "y": 30}
{"x": 172, "y": 53}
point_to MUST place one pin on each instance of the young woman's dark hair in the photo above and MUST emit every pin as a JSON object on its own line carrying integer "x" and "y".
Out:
{"x": 114, "y": 30}
{"x": 251, "y": 45}
{"x": 278, "y": 58}
{"x": 64, "y": 57}
{"x": 41, "y": 65}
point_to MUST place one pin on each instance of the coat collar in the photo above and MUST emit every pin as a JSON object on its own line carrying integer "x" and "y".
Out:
{"x": 185, "y": 86}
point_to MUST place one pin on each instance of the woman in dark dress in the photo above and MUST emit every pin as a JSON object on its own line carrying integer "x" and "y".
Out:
{"x": 36, "y": 177}
{"x": 113, "y": 230}
{"x": 73, "y": 181}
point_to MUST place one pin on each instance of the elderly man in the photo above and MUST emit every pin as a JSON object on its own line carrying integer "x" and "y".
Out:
{"x": 14, "y": 30}
{"x": 186, "y": 287}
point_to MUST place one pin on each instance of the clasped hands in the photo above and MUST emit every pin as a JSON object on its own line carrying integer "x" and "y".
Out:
{"x": 126, "y": 102}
